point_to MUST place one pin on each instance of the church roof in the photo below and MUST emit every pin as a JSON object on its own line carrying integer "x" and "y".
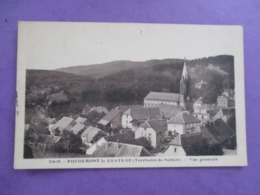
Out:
{"x": 163, "y": 96}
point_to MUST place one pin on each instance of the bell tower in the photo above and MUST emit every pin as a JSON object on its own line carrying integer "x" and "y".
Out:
{"x": 185, "y": 82}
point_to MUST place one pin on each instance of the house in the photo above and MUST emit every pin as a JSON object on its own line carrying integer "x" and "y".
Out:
{"x": 223, "y": 101}
{"x": 182, "y": 123}
{"x": 86, "y": 109}
{"x": 169, "y": 111}
{"x": 65, "y": 123}
{"x": 193, "y": 144}
{"x": 153, "y": 131}
{"x": 117, "y": 149}
{"x": 198, "y": 104}
{"x": 201, "y": 143}
{"x": 126, "y": 137}
{"x": 153, "y": 99}
{"x": 225, "y": 135}
{"x": 138, "y": 114}
{"x": 225, "y": 114}
{"x": 77, "y": 128}
{"x": 49, "y": 143}
{"x": 51, "y": 121}
{"x": 31, "y": 134}
{"x": 204, "y": 112}
{"x": 111, "y": 119}
{"x": 91, "y": 134}
{"x": 174, "y": 148}
{"x": 82, "y": 120}
{"x": 99, "y": 109}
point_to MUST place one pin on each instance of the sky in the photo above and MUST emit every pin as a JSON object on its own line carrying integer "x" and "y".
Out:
{"x": 52, "y": 45}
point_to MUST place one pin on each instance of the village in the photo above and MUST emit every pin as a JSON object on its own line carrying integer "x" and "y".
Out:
{"x": 163, "y": 126}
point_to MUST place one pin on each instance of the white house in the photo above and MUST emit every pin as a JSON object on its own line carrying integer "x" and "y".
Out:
{"x": 95, "y": 146}
{"x": 182, "y": 123}
{"x": 174, "y": 149}
{"x": 152, "y": 130}
{"x": 112, "y": 119}
{"x": 90, "y": 134}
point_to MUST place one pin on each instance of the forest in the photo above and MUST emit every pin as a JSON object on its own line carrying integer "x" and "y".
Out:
{"x": 110, "y": 86}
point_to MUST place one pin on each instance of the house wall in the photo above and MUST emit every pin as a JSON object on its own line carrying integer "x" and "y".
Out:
{"x": 174, "y": 151}
{"x": 201, "y": 116}
{"x": 182, "y": 128}
{"x": 147, "y": 133}
{"x": 179, "y": 128}
{"x": 94, "y": 146}
{"x": 222, "y": 101}
{"x": 116, "y": 122}
{"x": 126, "y": 121}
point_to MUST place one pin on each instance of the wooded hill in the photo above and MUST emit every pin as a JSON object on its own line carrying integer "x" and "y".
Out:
{"x": 127, "y": 82}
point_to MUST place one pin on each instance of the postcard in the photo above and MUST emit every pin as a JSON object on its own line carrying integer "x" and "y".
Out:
{"x": 121, "y": 95}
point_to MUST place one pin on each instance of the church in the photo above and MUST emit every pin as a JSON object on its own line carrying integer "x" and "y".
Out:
{"x": 153, "y": 99}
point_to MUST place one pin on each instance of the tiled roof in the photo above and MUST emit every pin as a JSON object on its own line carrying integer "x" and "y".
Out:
{"x": 169, "y": 111}
{"x": 77, "y": 128}
{"x": 174, "y": 97}
{"x": 64, "y": 123}
{"x": 91, "y": 132}
{"x": 81, "y": 120}
{"x": 211, "y": 140}
{"x": 48, "y": 139}
{"x": 109, "y": 117}
{"x": 125, "y": 108}
{"x": 157, "y": 125}
{"x": 143, "y": 113}
{"x": 183, "y": 118}
{"x": 191, "y": 139}
{"x": 114, "y": 149}
{"x": 176, "y": 141}
{"x": 86, "y": 109}
{"x": 220, "y": 130}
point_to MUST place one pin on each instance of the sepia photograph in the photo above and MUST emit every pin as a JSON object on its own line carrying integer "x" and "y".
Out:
{"x": 115, "y": 95}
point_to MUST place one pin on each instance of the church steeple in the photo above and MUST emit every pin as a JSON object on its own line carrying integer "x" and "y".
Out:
{"x": 185, "y": 75}
{"x": 184, "y": 83}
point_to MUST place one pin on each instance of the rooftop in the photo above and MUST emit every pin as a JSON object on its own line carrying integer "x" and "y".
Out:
{"x": 77, "y": 128}
{"x": 109, "y": 117}
{"x": 174, "y": 97}
{"x": 169, "y": 111}
{"x": 143, "y": 113}
{"x": 81, "y": 120}
{"x": 183, "y": 118}
{"x": 91, "y": 132}
{"x": 64, "y": 123}
{"x": 157, "y": 125}
{"x": 114, "y": 149}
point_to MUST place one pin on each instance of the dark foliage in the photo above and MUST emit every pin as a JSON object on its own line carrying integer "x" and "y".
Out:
{"x": 125, "y": 82}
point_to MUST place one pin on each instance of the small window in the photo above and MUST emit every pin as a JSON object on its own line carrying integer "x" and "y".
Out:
{"x": 175, "y": 150}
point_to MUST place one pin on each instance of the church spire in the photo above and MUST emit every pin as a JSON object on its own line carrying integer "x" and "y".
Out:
{"x": 184, "y": 72}
{"x": 185, "y": 82}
